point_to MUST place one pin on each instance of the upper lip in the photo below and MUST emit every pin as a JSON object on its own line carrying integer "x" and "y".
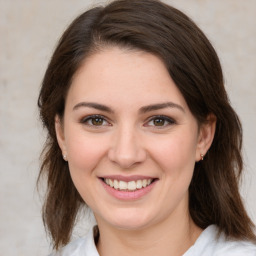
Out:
{"x": 127, "y": 178}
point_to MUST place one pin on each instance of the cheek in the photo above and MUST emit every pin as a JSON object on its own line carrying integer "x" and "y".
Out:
{"x": 84, "y": 152}
{"x": 84, "y": 155}
{"x": 176, "y": 153}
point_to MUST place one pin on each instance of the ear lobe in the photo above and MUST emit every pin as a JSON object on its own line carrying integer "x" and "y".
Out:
{"x": 206, "y": 136}
{"x": 60, "y": 134}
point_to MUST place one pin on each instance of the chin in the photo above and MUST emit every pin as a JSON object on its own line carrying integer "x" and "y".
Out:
{"x": 130, "y": 221}
{"x": 129, "y": 226}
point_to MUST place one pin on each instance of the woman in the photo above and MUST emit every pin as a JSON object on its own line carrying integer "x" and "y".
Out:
{"x": 140, "y": 129}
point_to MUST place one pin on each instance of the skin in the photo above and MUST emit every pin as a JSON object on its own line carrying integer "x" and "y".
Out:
{"x": 128, "y": 139}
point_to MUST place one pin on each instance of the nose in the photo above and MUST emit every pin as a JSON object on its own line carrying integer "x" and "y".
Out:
{"x": 127, "y": 149}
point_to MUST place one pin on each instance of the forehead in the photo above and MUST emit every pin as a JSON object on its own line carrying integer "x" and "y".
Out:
{"x": 120, "y": 75}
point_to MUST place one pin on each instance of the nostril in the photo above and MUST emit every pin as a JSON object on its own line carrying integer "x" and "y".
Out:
{"x": 126, "y": 149}
{"x": 127, "y": 157}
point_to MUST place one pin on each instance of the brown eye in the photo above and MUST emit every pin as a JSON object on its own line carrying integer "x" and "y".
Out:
{"x": 159, "y": 122}
{"x": 97, "y": 121}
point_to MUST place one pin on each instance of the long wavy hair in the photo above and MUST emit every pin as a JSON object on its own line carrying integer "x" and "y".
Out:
{"x": 193, "y": 64}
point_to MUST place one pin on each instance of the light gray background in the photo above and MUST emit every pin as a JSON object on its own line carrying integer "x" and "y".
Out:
{"x": 28, "y": 33}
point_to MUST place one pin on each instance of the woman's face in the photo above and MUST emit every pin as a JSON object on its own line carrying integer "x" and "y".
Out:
{"x": 130, "y": 139}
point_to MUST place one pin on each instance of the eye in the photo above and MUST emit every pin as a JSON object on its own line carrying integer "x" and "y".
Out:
{"x": 160, "y": 121}
{"x": 95, "y": 120}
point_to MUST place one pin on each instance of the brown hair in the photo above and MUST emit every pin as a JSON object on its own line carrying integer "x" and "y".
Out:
{"x": 155, "y": 27}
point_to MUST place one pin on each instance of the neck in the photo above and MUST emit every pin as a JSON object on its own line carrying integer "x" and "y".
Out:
{"x": 173, "y": 238}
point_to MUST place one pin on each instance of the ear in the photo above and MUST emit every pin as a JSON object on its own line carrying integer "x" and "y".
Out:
{"x": 206, "y": 135}
{"x": 60, "y": 136}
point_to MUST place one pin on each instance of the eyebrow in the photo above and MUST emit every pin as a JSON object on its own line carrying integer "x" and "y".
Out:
{"x": 142, "y": 110}
{"x": 159, "y": 106}
{"x": 93, "y": 105}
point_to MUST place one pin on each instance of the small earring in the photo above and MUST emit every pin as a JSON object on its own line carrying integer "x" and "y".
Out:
{"x": 202, "y": 157}
{"x": 65, "y": 157}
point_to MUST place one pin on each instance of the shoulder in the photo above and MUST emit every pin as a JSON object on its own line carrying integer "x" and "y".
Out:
{"x": 235, "y": 248}
{"x": 210, "y": 244}
{"x": 84, "y": 246}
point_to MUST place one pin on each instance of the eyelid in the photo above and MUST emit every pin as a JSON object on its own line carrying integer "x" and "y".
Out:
{"x": 170, "y": 121}
{"x": 89, "y": 117}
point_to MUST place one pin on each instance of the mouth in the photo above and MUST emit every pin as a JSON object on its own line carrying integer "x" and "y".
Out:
{"x": 129, "y": 186}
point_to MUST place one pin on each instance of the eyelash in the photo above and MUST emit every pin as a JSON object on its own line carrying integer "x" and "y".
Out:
{"x": 167, "y": 121}
{"x": 89, "y": 121}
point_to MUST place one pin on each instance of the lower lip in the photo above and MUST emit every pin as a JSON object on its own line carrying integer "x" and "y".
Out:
{"x": 128, "y": 195}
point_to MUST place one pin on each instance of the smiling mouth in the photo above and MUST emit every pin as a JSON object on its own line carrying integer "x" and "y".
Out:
{"x": 128, "y": 186}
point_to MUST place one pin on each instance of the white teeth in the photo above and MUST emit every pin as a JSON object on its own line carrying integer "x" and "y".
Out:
{"x": 123, "y": 185}
{"x": 111, "y": 183}
{"x": 116, "y": 184}
{"x": 131, "y": 185}
{"x": 139, "y": 184}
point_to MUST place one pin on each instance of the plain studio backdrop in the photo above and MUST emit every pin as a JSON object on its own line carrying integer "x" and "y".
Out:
{"x": 29, "y": 31}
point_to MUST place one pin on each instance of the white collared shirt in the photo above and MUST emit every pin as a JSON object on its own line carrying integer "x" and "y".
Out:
{"x": 207, "y": 244}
